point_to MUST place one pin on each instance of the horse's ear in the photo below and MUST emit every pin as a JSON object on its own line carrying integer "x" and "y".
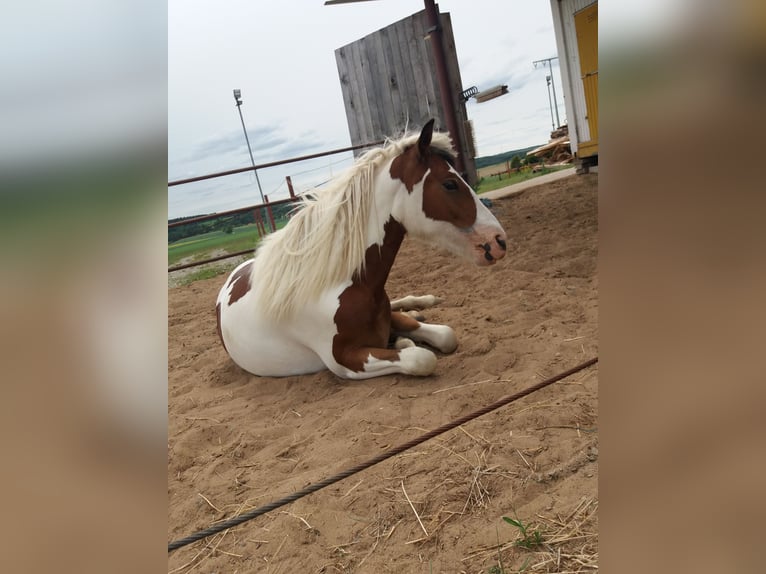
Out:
{"x": 424, "y": 142}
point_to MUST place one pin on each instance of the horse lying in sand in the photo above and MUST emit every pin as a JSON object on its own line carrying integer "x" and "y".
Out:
{"x": 314, "y": 297}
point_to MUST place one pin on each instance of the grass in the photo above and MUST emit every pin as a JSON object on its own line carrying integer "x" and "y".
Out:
{"x": 528, "y": 540}
{"x": 200, "y": 246}
{"x": 563, "y": 544}
{"x": 205, "y": 273}
{"x": 489, "y": 183}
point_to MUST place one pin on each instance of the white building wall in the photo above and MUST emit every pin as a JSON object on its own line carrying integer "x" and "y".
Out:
{"x": 563, "y": 12}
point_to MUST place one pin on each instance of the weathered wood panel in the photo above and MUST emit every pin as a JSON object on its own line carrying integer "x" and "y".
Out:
{"x": 389, "y": 83}
{"x": 456, "y": 84}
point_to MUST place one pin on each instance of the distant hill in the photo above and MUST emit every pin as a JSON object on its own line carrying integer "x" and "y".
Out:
{"x": 503, "y": 157}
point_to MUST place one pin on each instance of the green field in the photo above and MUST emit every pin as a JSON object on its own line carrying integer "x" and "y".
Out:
{"x": 489, "y": 183}
{"x": 200, "y": 246}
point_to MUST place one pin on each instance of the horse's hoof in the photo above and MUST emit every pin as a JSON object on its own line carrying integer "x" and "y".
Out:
{"x": 417, "y": 361}
{"x": 447, "y": 341}
{"x": 403, "y": 343}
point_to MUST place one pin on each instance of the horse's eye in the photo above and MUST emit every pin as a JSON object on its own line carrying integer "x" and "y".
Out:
{"x": 450, "y": 185}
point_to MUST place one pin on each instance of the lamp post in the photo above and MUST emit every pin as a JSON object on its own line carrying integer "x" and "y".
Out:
{"x": 550, "y": 105}
{"x": 238, "y": 99}
{"x": 553, "y": 85}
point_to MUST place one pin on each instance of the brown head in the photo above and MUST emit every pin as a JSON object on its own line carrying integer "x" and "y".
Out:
{"x": 437, "y": 205}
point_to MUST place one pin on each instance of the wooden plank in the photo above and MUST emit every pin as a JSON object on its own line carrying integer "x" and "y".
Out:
{"x": 386, "y": 54}
{"x": 396, "y": 73}
{"x": 389, "y": 82}
{"x": 455, "y": 83}
{"x": 384, "y": 105}
{"x": 360, "y": 92}
{"x": 410, "y": 101}
{"x": 428, "y": 85}
{"x": 346, "y": 86}
{"x": 404, "y": 83}
{"x": 371, "y": 83}
{"x": 423, "y": 106}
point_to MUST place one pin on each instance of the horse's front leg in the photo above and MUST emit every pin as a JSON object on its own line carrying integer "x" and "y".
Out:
{"x": 440, "y": 337}
{"x": 415, "y": 302}
{"x": 360, "y": 362}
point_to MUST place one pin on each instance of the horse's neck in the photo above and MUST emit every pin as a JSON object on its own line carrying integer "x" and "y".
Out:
{"x": 385, "y": 234}
{"x": 379, "y": 257}
{"x": 385, "y": 191}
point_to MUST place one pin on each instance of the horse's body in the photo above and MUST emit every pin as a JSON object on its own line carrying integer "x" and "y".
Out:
{"x": 313, "y": 297}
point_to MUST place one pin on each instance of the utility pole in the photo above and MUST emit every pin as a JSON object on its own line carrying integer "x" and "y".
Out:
{"x": 550, "y": 104}
{"x": 238, "y": 99}
{"x": 434, "y": 33}
{"x": 553, "y": 84}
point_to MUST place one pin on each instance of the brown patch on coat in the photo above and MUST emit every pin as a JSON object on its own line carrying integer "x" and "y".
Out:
{"x": 403, "y": 323}
{"x": 409, "y": 167}
{"x": 456, "y": 206}
{"x": 240, "y": 283}
{"x": 363, "y": 317}
{"x": 218, "y": 324}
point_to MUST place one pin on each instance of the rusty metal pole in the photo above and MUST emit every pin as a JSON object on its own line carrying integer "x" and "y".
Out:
{"x": 290, "y": 186}
{"x": 271, "y": 215}
{"x": 258, "y": 223}
{"x": 448, "y": 104}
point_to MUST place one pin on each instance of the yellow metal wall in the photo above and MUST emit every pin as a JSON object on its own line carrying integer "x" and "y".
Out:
{"x": 586, "y": 24}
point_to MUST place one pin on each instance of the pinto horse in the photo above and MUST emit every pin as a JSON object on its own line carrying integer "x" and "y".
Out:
{"x": 314, "y": 297}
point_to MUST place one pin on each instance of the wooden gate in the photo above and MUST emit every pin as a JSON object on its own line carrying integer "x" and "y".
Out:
{"x": 389, "y": 83}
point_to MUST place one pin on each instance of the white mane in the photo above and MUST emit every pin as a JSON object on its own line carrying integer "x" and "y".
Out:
{"x": 324, "y": 243}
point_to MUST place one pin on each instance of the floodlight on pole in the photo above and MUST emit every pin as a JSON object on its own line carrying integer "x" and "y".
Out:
{"x": 550, "y": 104}
{"x": 491, "y": 93}
{"x": 547, "y": 61}
{"x": 238, "y": 100}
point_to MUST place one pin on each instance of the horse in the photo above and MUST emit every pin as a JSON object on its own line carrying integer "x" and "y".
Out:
{"x": 313, "y": 296}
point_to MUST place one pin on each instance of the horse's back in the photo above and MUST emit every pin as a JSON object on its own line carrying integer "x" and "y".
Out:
{"x": 254, "y": 342}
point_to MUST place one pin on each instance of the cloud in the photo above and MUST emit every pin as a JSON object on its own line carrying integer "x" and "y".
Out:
{"x": 262, "y": 138}
{"x": 268, "y": 143}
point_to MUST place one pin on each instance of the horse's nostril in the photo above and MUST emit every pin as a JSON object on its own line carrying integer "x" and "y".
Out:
{"x": 486, "y": 247}
{"x": 488, "y": 256}
{"x": 500, "y": 242}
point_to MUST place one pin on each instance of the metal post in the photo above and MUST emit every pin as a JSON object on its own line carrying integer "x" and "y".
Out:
{"x": 442, "y": 74}
{"x": 555, "y": 101}
{"x": 290, "y": 186}
{"x": 553, "y": 85}
{"x": 271, "y": 215}
{"x": 550, "y": 105}
{"x": 238, "y": 99}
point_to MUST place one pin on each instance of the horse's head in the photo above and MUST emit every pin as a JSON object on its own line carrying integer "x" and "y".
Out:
{"x": 437, "y": 205}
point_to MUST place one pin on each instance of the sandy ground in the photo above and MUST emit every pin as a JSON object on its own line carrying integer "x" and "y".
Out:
{"x": 236, "y": 442}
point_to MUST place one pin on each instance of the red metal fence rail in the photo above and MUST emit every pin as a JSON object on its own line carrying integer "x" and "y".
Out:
{"x": 268, "y": 204}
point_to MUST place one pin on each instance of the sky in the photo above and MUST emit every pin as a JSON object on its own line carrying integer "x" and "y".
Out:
{"x": 281, "y": 55}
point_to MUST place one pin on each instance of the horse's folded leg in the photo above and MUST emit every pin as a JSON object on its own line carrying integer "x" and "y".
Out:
{"x": 440, "y": 337}
{"x": 415, "y": 302}
{"x": 369, "y": 362}
{"x": 403, "y": 343}
{"x": 417, "y": 361}
{"x": 417, "y": 315}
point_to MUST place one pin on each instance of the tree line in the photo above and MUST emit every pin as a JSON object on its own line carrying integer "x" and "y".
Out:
{"x": 225, "y": 223}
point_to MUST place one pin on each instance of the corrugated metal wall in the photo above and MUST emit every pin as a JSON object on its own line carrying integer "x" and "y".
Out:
{"x": 574, "y": 95}
{"x": 389, "y": 82}
{"x": 586, "y": 23}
